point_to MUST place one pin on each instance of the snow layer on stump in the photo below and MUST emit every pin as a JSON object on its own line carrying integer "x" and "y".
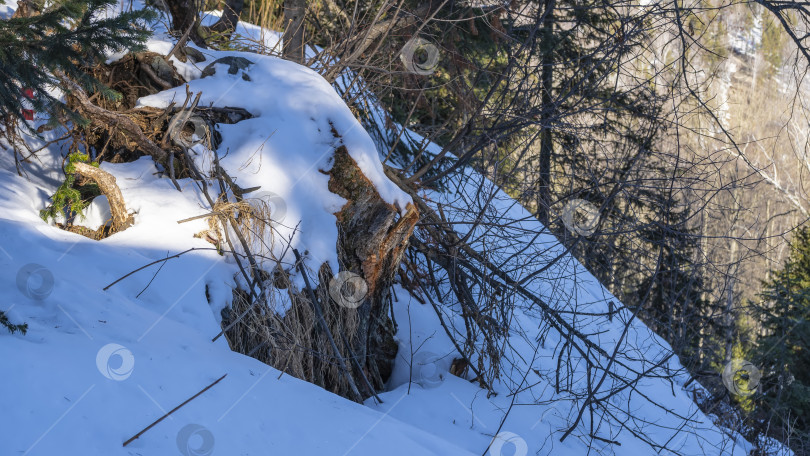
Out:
{"x": 288, "y": 147}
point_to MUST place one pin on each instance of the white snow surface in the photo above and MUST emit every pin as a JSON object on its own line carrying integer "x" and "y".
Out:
{"x": 68, "y": 391}
{"x": 7, "y": 8}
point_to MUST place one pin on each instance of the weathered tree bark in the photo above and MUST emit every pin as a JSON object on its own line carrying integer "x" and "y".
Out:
{"x": 27, "y": 8}
{"x": 184, "y": 18}
{"x": 372, "y": 240}
{"x": 230, "y": 16}
{"x": 293, "y": 40}
{"x": 109, "y": 188}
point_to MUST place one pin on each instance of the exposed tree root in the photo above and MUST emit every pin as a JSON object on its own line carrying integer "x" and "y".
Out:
{"x": 121, "y": 219}
{"x": 119, "y": 122}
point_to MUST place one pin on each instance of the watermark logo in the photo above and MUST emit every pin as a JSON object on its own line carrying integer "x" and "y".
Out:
{"x": 420, "y": 56}
{"x": 552, "y": 413}
{"x": 348, "y": 289}
{"x": 580, "y": 217}
{"x": 35, "y": 281}
{"x": 273, "y": 203}
{"x": 187, "y": 129}
{"x": 505, "y": 440}
{"x": 115, "y": 362}
{"x": 195, "y": 440}
{"x": 741, "y": 377}
{"x": 426, "y": 371}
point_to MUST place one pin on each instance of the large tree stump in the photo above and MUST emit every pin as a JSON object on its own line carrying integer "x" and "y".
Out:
{"x": 371, "y": 242}
{"x": 372, "y": 238}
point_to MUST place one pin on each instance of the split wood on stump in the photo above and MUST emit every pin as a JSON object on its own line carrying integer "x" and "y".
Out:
{"x": 371, "y": 243}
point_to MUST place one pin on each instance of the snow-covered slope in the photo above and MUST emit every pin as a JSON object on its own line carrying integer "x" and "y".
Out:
{"x": 648, "y": 410}
{"x": 98, "y": 366}
{"x": 66, "y": 390}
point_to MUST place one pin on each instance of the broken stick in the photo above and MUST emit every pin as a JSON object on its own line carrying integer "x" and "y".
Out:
{"x": 172, "y": 411}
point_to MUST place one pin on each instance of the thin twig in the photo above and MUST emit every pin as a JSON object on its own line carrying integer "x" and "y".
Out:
{"x": 197, "y": 217}
{"x": 353, "y": 357}
{"x": 152, "y": 279}
{"x": 172, "y": 411}
{"x": 150, "y": 264}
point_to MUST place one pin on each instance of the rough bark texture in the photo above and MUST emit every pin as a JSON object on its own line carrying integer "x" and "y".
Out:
{"x": 372, "y": 237}
{"x": 121, "y": 219}
{"x": 26, "y": 8}
{"x": 293, "y": 40}
{"x": 230, "y": 16}
{"x": 372, "y": 240}
{"x": 184, "y": 18}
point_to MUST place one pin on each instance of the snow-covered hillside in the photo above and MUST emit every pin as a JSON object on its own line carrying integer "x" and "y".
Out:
{"x": 97, "y": 366}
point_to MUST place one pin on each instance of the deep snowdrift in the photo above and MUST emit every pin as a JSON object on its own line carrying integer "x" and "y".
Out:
{"x": 67, "y": 390}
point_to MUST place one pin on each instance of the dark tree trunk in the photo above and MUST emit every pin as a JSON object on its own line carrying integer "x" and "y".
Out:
{"x": 293, "y": 46}
{"x": 547, "y": 114}
{"x": 184, "y": 18}
{"x": 230, "y": 16}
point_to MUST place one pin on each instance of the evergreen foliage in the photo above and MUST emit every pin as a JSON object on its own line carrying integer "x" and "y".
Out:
{"x": 783, "y": 352}
{"x": 66, "y": 36}
{"x": 11, "y": 327}
{"x": 773, "y": 42}
{"x": 673, "y": 295}
{"x": 71, "y": 199}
